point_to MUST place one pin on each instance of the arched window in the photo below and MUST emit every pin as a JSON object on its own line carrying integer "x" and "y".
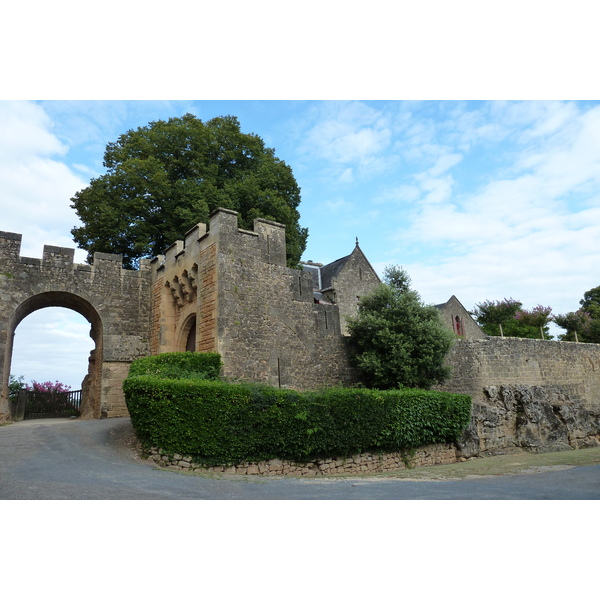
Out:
{"x": 458, "y": 326}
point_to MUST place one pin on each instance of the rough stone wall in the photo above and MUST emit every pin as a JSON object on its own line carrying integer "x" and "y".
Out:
{"x": 360, "y": 464}
{"x": 533, "y": 418}
{"x": 537, "y": 395}
{"x": 269, "y": 328}
{"x": 248, "y": 305}
{"x": 115, "y": 301}
{"x": 494, "y": 361}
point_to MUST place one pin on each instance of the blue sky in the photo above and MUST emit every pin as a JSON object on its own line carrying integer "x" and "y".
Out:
{"x": 483, "y": 200}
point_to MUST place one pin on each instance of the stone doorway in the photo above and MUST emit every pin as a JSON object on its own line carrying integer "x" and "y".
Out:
{"x": 91, "y": 384}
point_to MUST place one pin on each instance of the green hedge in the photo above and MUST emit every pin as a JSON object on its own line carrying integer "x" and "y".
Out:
{"x": 223, "y": 423}
{"x": 179, "y": 365}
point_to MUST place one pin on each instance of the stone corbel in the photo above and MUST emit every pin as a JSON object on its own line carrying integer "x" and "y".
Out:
{"x": 193, "y": 277}
{"x": 176, "y": 291}
{"x": 186, "y": 287}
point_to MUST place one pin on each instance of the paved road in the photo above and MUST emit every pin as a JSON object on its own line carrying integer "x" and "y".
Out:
{"x": 81, "y": 460}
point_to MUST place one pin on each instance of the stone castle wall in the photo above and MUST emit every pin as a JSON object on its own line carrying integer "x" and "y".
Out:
{"x": 228, "y": 290}
{"x": 495, "y": 361}
{"x": 536, "y": 395}
{"x": 248, "y": 305}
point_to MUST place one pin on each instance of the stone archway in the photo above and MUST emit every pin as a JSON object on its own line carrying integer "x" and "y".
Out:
{"x": 114, "y": 300}
{"x": 91, "y": 386}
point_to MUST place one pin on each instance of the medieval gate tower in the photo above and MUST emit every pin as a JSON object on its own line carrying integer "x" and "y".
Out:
{"x": 221, "y": 289}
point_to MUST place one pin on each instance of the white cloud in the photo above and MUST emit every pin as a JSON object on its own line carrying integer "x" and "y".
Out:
{"x": 530, "y": 233}
{"x": 444, "y": 162}
{"x": 52, "y": 344}
{"x": 24, "y": 127}
{"x": 36, "y": 188}
{"x": 348, "y": 133}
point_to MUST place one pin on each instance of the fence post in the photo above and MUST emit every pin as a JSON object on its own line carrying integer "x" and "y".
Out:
{"x": 19, "y": 406}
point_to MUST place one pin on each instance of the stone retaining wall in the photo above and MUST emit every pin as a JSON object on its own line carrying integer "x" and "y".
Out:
{"x": 360, "y": 464}
{"x": 479, "y": 364}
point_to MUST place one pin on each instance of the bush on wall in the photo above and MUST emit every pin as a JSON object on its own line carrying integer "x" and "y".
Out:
{"x": 222, "y": 423}
{"x": 178, "y": 365}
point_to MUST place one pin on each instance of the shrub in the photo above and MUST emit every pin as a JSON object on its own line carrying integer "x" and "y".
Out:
{"x": 223, "y": 423}
{"x": 179, "y": 365}
{"x": 397, "y": 340}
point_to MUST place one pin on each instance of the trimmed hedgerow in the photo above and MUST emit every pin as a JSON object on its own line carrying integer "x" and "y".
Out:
{"x": 179, "y": 365}
{"x": 223, "y": 423}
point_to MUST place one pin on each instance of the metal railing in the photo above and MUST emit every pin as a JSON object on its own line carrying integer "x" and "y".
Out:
{"x": 46, "y": 405}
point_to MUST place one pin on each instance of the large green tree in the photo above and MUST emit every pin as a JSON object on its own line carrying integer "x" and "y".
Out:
{"x": 165, "y": 177}
{"x": 398, "y": 341}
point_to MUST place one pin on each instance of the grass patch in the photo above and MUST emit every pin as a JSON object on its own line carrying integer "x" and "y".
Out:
{"x": 506, "y": 464}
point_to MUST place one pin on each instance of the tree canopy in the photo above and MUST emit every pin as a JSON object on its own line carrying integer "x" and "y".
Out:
{"x": 507, "y": 317}
{"x": 398, "y": 341}
{"x": 164, "y": 178}
{"x": 582, "y": 325}
{"x": 591, "y": 302}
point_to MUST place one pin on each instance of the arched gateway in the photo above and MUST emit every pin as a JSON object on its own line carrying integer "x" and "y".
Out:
{"x": 115, "y": 301}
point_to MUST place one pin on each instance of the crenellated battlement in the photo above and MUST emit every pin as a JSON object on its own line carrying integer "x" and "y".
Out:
{"x": 58, "y": 258}
{"x": 10, "y": 247}
{"x": 267, "y": 241}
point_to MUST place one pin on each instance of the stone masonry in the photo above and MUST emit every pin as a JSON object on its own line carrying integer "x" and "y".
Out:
{"x": 228, "y": 290}
{"x": 115, "y": 301}
{"x": 535, "y": 395}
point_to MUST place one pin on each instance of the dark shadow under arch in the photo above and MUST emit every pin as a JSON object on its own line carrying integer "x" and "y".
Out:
{"x": 187, "y": 337}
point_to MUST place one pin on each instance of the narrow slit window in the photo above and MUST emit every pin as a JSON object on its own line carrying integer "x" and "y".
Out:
{"x": 278, "y": 372}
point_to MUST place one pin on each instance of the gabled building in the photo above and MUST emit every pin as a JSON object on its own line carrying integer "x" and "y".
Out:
{"x": 457, "y": 318}
{"x": 343, "y": 282}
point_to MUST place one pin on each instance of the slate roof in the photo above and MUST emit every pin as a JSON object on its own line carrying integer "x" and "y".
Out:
{"x": 328, "y": 272}
{"x": 323, "y": 275}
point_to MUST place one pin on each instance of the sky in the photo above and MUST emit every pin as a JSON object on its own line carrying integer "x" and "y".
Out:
{"x": 484, "y": 200}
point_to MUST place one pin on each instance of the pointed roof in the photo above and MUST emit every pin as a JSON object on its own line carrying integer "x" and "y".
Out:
{"x": 323, "y": 276}
{"x": 328, "y": 272}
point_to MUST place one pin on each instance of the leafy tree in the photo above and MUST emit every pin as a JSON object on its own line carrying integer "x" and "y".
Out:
{"x": 591, "y": 303}
{"x": 536, "y": 321}
{"x": 397, "y": 340}
{"x": 15, "y": 385}
{"x": 580, "y": 326}
{"x": 507, "y": 318}
{"x": 165, "y": 177}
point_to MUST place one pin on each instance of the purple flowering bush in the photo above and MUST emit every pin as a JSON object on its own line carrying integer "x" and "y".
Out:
{"x": 47, "y": 387}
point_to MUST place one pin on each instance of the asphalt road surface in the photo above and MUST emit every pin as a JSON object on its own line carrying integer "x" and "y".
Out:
{"x": 58, "y": 459}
